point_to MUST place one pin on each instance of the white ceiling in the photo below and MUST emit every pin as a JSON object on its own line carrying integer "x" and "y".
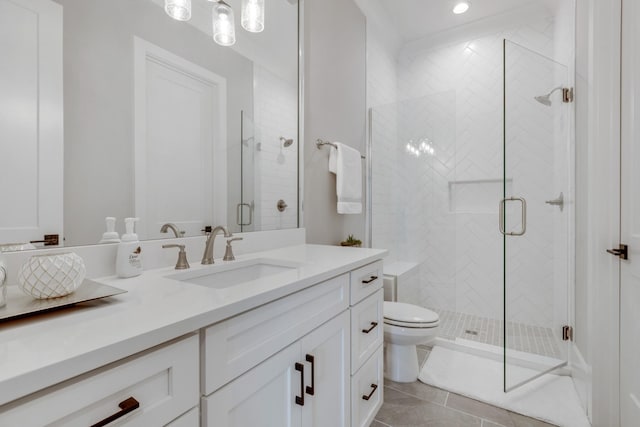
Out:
{"x": 414, "y": 19}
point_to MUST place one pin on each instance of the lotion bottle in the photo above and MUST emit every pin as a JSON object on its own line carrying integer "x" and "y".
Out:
{"x": 129, "y": 257}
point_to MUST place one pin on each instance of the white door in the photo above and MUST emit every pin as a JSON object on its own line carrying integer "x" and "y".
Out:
{"x": 31, "y": 120}
{"x": 263, "y": 397}
{"x": 325, "y": 354}
{"x": 630, "y": 219}
{"x": 179, "y": 156}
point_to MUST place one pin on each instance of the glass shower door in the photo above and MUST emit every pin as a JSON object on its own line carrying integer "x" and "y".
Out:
{"x": 245, "y": 210}
{"x": 534, "y": 216}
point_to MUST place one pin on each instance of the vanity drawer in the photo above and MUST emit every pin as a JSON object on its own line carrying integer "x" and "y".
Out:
{"x": 190, "y": 419}
{"x": 234, "y": 346}
{"x": 365, "y": 281}
{"x": 367, "y": 391}
{"x": 367, "y": 329}
{"x": 164, "y": 382}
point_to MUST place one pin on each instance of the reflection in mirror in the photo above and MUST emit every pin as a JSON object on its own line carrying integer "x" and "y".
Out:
{"x": 144, "y": 116}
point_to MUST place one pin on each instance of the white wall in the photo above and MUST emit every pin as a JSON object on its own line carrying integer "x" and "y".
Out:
{"x": 335, "y": 110}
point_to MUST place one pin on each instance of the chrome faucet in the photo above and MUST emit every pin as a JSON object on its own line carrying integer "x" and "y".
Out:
{"x": 207, "y": 257}
{"x": 165, "y": 228}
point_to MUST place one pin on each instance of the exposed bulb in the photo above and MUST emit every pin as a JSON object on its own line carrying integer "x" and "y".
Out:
{"x": 224, "y": 31}
{"x": 252, "y": 17}
{"x": 179, "y": 10}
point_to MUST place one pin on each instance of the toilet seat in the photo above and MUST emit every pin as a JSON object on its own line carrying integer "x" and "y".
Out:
{"x": 409, "y": 316}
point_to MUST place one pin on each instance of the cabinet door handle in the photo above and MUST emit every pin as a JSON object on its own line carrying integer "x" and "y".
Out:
{"x": 374, "y": 387}
{"x": 373, "y": 326}
{"x": 126, "y": 406}
{"x": 311, "y": 390}
{"x": 300, "y": 399}
{"x": 371, "y": 279}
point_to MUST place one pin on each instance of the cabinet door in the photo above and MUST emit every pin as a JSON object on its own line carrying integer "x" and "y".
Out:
{"x": 263, "y": 397}
{"x": 325, "y": 353}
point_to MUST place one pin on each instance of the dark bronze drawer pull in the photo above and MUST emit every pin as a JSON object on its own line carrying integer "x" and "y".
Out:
{"x": 373, "y": 326}
{"x": 371, "y": 279}
{"x": 311, "y": 390}
{"x": 374, "y": 387}
{"x": 126, "y": 406}
{"x": 300, "y": 399}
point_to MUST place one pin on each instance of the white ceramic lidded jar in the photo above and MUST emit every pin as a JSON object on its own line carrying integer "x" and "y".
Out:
{"x": 51, "y": 275}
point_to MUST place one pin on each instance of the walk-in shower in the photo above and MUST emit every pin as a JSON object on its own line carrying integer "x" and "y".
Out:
{"x": 464, "y": 153}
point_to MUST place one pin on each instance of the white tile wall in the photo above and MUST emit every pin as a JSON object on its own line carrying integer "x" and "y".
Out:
{"x": 276, "y": 113}
{"x": 452, "y": 95}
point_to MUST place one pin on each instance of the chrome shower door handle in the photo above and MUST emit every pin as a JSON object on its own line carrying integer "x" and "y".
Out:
{"x": 523, "y": 229}
{"x": 239, "y": 214}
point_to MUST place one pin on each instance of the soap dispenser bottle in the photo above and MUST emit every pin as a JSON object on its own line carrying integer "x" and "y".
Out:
{"x": 129, "y": 257}
{"x": 111, "y": 235}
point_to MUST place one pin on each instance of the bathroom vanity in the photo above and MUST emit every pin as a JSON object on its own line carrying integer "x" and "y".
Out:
{"x": 297, "y": 347}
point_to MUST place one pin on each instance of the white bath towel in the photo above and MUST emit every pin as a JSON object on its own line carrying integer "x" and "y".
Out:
{"x": 346, "y": 163}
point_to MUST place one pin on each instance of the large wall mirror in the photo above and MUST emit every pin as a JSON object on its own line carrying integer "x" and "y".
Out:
{"x": 112, "y": 108}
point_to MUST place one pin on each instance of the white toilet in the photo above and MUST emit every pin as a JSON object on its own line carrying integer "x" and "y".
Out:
{"x": 405, "y": 326}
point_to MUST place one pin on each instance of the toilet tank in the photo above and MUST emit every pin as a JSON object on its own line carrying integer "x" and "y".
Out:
{"x": 402, "y": 282}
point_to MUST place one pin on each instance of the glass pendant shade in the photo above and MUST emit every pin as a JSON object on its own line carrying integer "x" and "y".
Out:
{"x": 252, "y": 16}
{"x": 224, "y": 31}
{"x": 179, "y": 10}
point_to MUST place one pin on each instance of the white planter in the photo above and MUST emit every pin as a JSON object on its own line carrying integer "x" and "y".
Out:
{"x": 51, "y": 275}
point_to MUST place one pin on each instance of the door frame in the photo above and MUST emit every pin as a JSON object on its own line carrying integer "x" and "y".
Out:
{"x": 601, "y": 216}
{"x": 143, "y": 51}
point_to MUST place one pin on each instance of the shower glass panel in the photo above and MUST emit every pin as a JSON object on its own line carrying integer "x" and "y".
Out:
{"x": 535, "y": 217}
{"x": 245, "y": 209}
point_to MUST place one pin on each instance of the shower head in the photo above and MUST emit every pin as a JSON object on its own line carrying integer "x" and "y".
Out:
{"x": 286, "y": 142}
{"x": 546, "y": 99}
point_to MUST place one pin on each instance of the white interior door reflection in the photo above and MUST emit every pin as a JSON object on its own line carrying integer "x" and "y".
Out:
{"x": 31, "y": 120}
{"x": 180, "y": 154}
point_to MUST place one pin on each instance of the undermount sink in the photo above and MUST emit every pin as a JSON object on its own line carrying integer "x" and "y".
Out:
{"x": 234, "y": 273}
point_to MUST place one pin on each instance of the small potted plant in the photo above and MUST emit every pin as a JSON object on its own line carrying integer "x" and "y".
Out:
{"x": 351, "y": 241}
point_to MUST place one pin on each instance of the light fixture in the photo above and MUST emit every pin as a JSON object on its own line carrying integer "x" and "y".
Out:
{"x": 461, "y": 7}
{"x": 179, "y": 10}
{"x": 224, "y": 29}
{"x": 252, "y": 16}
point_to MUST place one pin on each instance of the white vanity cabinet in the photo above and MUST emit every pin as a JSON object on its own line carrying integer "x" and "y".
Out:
{"x": 312, "y": 358}
{"x": 367, "y": 335}
{"x": 305, "y": 384}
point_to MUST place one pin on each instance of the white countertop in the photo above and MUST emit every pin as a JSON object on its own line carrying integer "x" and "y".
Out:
{"x": 49, "y": 348}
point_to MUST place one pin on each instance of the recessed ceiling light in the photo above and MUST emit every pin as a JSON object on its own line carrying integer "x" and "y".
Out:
{"x": 461, "y": 7}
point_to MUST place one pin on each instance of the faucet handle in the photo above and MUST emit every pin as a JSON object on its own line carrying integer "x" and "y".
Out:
{"x": 228, "y": 253}
{"x": 182, "y": 263}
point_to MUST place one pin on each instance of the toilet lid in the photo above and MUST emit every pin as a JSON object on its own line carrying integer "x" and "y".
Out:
{"x": 399, "y": 312}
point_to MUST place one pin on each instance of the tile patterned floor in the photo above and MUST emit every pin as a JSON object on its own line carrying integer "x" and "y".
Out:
{"x": 527, "y": 338}
{"x": 420, "y": 405}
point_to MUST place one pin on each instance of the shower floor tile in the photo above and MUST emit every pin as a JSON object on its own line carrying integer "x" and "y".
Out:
{"x": 521, "y": 337}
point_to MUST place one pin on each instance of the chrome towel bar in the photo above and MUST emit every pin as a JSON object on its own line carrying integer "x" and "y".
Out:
{"x": 321, "y": 143}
